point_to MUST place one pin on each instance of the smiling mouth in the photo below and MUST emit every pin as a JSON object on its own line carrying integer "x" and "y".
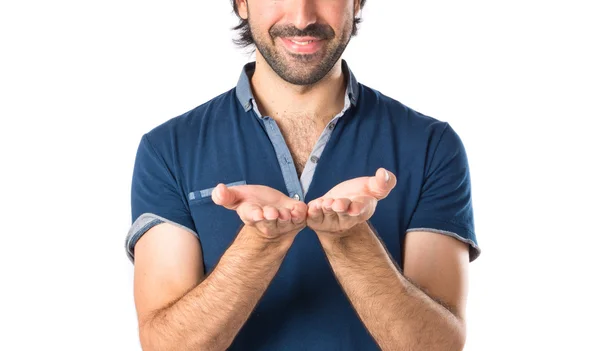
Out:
{"x": 302, "y": 42}
{"x": 302, "y": 45}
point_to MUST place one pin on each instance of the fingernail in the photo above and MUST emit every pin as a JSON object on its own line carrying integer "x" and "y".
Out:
{"x": 387, "y": 176}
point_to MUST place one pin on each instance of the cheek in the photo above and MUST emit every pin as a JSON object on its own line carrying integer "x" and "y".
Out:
{"x": 260, "y": 27}
{"x": 338, "y": 15}
{"x": 267, "y": 13}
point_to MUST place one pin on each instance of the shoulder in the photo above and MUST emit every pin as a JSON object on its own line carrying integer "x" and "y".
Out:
{"x": 186, "y": 127}
{"x": 410, "y": 124}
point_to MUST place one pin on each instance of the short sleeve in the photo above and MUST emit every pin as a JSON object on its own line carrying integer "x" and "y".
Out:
{"x": 445, "y": 204}
{"x": 155, "y": 197}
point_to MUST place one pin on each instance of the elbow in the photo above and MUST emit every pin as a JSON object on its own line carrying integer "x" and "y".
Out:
{"x": 153, "y": 338}
{"x": 451, "y": 342}
{"x": 454, "y": 338}
{"x": 459, "y": 344}
{"x": 150, "y": 341}
{"x": 459, "y": 335}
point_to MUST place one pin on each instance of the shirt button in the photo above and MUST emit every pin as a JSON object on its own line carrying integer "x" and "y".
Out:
{"x": 314, "y": 159}
{"x": 331, "y": 126}
{"x": 296, "y": 196}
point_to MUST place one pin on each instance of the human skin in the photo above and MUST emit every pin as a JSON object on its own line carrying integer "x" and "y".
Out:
{"x": 418, "y": 308}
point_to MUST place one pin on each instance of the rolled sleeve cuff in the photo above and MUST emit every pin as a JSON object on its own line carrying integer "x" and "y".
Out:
{"x": 141, "y": 225}
{"x": 456, "y": 231}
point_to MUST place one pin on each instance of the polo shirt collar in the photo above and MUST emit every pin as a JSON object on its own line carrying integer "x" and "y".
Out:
{"x": 244, "y": 91}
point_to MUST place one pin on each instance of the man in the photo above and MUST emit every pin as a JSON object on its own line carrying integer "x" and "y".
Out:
{"x": 301, "y": 210}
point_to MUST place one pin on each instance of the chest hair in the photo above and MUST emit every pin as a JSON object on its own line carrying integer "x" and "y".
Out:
{"x": 301, "y": 135}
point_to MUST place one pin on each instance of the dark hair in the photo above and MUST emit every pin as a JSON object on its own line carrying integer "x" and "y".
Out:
{"x": 245, "y": 37}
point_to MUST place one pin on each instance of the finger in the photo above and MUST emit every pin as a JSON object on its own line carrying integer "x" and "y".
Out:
{"x": 328, "y": 211}
{"x": 382, "y": 183}
{"x": 340, "y": 206}
{"x": 269, "y": 224}
{"x": 284, "y": 219}
{"x": 327, "y": 207}
{"x": 363, "y": 206}
{"x": 250, "y": 213}
{"x": 299, "y": 213}
{"x": 315, "y": 212}
{"x": 226, "y": 197}
{"x": 270, "y": 213}
{"x": 284, "y": 214}
{"x": 356, "y": 209}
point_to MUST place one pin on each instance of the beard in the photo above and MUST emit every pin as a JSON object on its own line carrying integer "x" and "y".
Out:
{"x": 302, "y": 69}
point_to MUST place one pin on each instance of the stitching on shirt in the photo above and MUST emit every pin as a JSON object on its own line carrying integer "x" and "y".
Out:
{"x": 205, "y": 193}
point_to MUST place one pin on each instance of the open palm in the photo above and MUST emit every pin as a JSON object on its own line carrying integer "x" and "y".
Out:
{"x": 349, "y": 203}
{"x": 270, "y": 211}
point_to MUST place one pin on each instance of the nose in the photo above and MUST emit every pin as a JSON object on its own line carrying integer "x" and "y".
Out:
{"x": 302, "y": 13}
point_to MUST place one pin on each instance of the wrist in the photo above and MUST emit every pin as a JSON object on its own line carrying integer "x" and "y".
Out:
{"x": 339, "y": 237}
{"x": 346, "y": 242}
{"x": 255, "y": 239}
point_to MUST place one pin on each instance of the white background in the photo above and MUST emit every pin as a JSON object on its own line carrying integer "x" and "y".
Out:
{"x": 81, "y": 81}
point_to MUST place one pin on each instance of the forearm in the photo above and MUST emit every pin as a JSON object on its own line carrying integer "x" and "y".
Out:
{"x": 398, "y": 315}
{"x": 210, "y": 316}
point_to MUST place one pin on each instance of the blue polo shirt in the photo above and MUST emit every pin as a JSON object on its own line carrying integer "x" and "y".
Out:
{"x": 228, "y": 140}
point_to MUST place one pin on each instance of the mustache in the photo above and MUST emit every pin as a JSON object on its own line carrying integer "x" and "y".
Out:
{"x": 319, "y": 31}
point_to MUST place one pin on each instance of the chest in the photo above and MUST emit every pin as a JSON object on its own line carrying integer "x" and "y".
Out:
{"x": 246, "y": 153}
{"x": 301, "y": 135}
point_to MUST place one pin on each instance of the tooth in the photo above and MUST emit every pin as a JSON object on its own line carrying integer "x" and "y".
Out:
{"x": 303, "y": 42}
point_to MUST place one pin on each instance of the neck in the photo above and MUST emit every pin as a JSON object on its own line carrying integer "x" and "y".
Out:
{"x": 277, "y": 98}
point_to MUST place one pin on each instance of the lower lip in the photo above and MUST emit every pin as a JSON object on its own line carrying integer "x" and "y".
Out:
{"x": 303, "y": 49}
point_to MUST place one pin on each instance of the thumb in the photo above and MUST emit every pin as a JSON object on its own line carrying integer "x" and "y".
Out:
{"x": 382, "y": 183}
{"x": 226, "y": 197}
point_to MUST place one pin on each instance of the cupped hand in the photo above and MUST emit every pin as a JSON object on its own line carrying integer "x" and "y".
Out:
{"x": 349, "y": 203}
{"x": 268, "y": 210}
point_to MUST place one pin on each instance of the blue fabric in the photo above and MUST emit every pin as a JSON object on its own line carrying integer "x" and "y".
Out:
{"x": 297, "y": 188}
{"x": 223, "y": 141}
